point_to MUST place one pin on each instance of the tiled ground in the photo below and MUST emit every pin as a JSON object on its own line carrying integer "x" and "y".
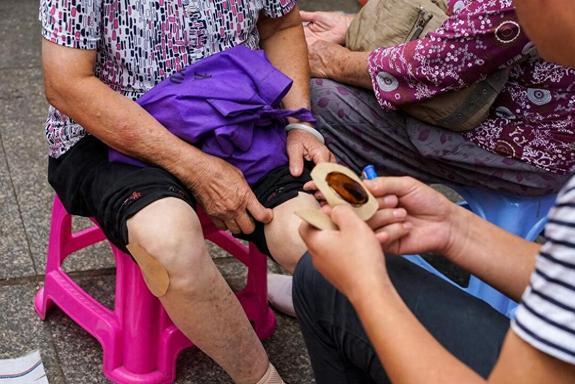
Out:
{"x": 69, "y": 354}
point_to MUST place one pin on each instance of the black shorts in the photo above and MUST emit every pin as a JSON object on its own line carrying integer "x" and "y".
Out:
{"x": 89, "y": 185}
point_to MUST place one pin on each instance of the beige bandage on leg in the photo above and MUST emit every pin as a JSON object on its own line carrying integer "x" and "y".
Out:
{"x": 155, "y": 274}
{"x": 271, "y": 376}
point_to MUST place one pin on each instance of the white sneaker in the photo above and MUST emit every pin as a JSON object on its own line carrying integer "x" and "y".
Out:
{"x": 279, "y": 293}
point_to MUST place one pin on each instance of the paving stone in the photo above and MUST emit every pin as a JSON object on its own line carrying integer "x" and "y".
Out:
{"x": 20, "y": 29}
{"x": 24, "y": 117}
{"x": 195, "y": 367}
{"x": 21, "y": 331}
{"x": 14, "y": 254}
{"x": 23, "y": 83}
{"x": 21, "y": 131}
{"x": 79, "y": 354}
{"x": 215, "y": 251}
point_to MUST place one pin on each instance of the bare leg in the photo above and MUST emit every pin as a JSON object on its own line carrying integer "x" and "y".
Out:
{"x": 198, "y": 301}
{"x": 282, "y": 234}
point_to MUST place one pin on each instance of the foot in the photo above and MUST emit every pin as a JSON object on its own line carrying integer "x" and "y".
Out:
{"x": 279, "y": 293}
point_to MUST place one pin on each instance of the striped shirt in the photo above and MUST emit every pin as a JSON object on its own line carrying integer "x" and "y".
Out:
{"x": 546, "y": 317}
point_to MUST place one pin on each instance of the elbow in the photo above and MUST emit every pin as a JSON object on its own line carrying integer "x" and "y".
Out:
{"x": 61, "y": 90}
{"x": 67, "y": 73}
{"x": 52, "y": 98}
{"x": 53, "y": 91}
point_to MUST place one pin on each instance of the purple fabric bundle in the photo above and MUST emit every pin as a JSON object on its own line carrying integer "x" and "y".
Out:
{"x": 227, "y": 105}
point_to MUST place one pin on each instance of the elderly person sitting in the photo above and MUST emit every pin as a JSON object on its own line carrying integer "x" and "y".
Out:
{"x": 98, "y": 58}
{"x": 525, "y": 146}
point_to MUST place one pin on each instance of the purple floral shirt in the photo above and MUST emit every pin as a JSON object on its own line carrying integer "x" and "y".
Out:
{"x": 532, "y": 119}
{"x": 139, "y": 43}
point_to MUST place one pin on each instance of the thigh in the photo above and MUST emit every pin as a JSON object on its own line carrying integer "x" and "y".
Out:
{"x": 360, "y": 132}
{"x": 467, "y": 327}
{"x": 89, "y": 185}
{"x": 464, "y": 162}
{"x": 340, "y": 351}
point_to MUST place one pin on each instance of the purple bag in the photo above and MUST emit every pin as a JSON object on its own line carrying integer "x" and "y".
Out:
{"x": 227, "y": 105}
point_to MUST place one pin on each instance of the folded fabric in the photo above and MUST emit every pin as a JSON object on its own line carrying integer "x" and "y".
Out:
{"x": 227, "y": 105}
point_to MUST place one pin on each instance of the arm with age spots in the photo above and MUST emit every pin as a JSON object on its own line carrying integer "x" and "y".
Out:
{"x": 432, "y": 64}
{"x": 328, "y": 58}
{"x": 283, "y": 41}
{"x": 72, "y": 87}
{"x": 332, "y": 61}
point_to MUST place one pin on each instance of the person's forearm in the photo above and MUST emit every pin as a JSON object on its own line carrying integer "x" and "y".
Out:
{"x": 503, "y": 260}
{"x": 284, "y": 44}
{"x": 407, "y": 351}
{"x": 125, "y": 126}
{"x": 350, "y": 68}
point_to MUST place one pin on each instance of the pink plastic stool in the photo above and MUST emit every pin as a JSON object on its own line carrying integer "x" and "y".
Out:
{"x": 140, "y": 343}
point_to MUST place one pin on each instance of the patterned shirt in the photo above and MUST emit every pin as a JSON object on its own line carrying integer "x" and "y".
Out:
{"x": 141, "y": 42}
{"x": 546, "y": 316}
{"x": 533, "y": 117}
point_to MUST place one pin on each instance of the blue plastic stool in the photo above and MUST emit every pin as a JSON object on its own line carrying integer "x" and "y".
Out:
{"x": 523, "y": 216}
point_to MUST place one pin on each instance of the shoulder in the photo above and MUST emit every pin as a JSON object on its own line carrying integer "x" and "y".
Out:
{"x": 546, "y": 316}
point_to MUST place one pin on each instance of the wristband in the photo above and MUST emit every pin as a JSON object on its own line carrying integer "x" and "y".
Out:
{"x": 306, "y": 128}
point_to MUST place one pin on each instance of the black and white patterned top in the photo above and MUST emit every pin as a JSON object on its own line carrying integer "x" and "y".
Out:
{"x": 141, "y": 42}
{"x": 546, "y": 315}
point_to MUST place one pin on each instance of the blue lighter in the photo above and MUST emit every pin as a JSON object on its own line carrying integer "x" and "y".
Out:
{"x": 368, "y": 172}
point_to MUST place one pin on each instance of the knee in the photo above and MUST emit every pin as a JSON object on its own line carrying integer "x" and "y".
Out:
{"x": 185, "y": 258}
{"x": 179, "y": 249}
{"x": 176, "y": 241}
{"x": 281, "y": 235}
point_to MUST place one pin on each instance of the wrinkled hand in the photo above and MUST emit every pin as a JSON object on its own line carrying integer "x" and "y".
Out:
{"x": 429, "y": 216}
{"x": 227, "y": 198}
{"x": 327, "y": 26}
{"x": 302, "y": 146}
{"x": 323, "y": 58}
{"x": 351, "y": 257}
